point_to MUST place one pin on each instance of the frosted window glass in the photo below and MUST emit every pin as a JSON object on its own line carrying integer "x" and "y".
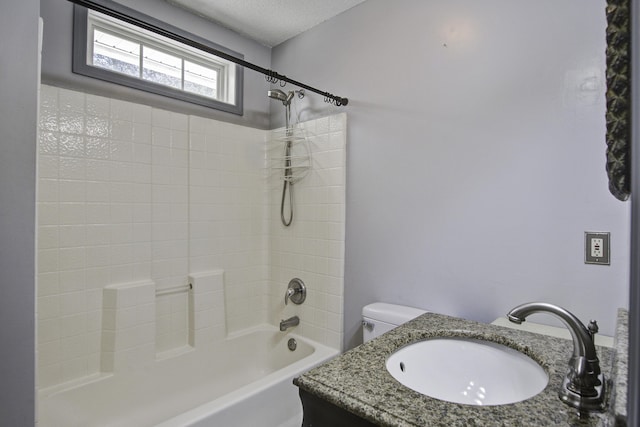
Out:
{"x": 116, "y": 54}
{"x": 200, "y": 80}
{"x": 162, "y": 68}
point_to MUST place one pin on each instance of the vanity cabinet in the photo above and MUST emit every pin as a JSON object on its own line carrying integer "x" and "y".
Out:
{"x": 320, "y": 413}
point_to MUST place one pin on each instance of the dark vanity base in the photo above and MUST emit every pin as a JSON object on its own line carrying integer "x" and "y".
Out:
{"x": 320, "y": 413}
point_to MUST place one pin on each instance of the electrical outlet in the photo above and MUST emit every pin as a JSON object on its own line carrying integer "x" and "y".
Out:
{"x": 596, "y": 247}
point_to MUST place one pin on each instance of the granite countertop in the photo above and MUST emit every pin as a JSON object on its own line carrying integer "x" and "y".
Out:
{"x": 358, "y": 381}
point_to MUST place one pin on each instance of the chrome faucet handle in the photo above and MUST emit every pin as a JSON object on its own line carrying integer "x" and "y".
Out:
{"x": 288, "y": 294}
{"x": 593, "y": 328}
{"x": 296, "y": 292}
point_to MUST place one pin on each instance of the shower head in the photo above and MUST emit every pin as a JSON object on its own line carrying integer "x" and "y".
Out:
{"x": 281, "y": 96}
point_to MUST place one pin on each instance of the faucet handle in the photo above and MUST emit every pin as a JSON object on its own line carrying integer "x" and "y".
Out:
{"x": 288, "y": 294}
{"x": 593, "y": 328}
{"x": 296, "y": 292}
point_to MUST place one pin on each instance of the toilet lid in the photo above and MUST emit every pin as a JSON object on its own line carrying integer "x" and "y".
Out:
{"x": 391, "y": 313}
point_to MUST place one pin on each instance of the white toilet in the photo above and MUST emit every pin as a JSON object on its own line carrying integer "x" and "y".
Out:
{"x": 380, "y": 317}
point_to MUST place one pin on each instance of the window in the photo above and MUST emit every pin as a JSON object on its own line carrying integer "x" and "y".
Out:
{"x": 112, "y": 50}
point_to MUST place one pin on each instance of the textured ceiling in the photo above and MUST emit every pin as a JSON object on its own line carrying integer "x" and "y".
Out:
{"x": 269, "y": 22}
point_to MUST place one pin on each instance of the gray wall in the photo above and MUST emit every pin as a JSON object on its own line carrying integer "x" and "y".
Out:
{"x": 475, "y": 154}
{"x": 18, "y": 119}
{"x": 56, "y": 61}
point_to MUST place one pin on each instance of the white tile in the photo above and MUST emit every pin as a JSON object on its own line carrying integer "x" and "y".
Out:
{"x": 97, "y": 148}
{"x": 121, "y": 213}
{"x": 142, "y": 212}
{"x": 49, "y": 352}
{"x": 126, "y": 317}
{"x": 70, "y": 100}
{"x": 72, "y": 236}
{"x": 73, "y": 347}
{"x": 97, "y": 126}
{"x": 48, "y": 330}
{"x": 122, "y": 130}
{"x": 98, "y": 170}
{"x": 97, "y": 105}
{"x": 72, "y": 325}
{"x": 97, "y": 278}
{"x": 71, "y": 213}
{"x": 48, "y": 307}
{"x": 71, "y": 122}
{"x": 197, "y": 142}
{"x": 71, "y": 259}
{"x": 48, "y": 141}
{"x": 121, "y": 254}
{"x": 179, "y": 158}
{"x": 142, "y": 153}
{"x": 98, "y": 213}
{"x": 48, "y": 119}
{"x": 142, "y": 232}
{"x": 121, "y": 150}
{"x": 94, "y": 307}
{"x": 110, "y": 299}
{"x": 122, "y": 110}
{"x": 179, "y": 121}
{"x": 161, "y": 118}
{"x": 121, "y": 171}
{"x": 48, "y": 237}
{"x": 47, "y": 166}
{"x": 121, "y": 273}
{"x": 48, "y": 260}
{"x": 179, "y": 139}
{"x": 72, "y": 303}
{"x": 121, "y": 233}
{"x": 141, "y": 270}
{"x": 142, "y": 114}
{"x": 121, "y": 192}
{"x": 97, "y": 256}
{"x": 48, "y": 284}
{"x": 48, "y": 375}
{"x": 48, "y": 190}
{"x": 71, "y": 190}
{"x": 49, "y": 96}
{"x": 141, "y": 192}
{"x": 142, "y": 133}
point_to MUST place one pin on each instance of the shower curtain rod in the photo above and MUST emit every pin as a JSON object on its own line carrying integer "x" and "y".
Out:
{"x": 103, "y": 6}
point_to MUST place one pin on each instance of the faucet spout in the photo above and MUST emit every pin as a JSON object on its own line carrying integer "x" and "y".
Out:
{"x": 289, "y": 323}
{"x": 582, "y": 338}
{"x": 583, "y": 386}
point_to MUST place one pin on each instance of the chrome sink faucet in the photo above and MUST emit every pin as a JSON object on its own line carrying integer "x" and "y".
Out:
{"x": 289, "y": 323}
{"x": 583, "y": 387}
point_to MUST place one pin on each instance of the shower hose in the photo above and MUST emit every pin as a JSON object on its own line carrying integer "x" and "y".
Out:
{"x": 287, "y": 182}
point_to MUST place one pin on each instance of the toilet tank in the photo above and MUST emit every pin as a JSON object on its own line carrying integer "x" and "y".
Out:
{"x": 380, "y": 317}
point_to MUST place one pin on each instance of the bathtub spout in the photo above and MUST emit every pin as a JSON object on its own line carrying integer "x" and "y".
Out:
{"x": 289, "y": 323}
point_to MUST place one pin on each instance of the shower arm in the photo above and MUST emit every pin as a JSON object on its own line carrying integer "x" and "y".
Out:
{"x": 130, "y": 16}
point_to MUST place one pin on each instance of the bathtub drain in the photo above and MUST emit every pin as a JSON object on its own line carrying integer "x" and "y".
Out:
{"x": 292, "y": 344}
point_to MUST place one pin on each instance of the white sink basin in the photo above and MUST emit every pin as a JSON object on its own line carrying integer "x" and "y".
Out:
{"x": 467, "y": 371}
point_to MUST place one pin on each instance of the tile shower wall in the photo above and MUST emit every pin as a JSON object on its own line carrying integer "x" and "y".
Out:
{"x": 227, "y": 215}
{"x": 128, "y": 193}
{"x": 312, "y": 247}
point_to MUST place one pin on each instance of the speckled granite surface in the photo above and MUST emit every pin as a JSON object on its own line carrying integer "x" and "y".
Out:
{"x": 620, "y": 369}
{"x": 359, "y": 382}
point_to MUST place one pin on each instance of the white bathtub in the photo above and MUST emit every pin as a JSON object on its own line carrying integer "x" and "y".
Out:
{"x": 247, "y": 381}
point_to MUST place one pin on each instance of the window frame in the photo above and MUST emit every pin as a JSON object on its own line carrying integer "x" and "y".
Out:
{"x": 229, "y": 84}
